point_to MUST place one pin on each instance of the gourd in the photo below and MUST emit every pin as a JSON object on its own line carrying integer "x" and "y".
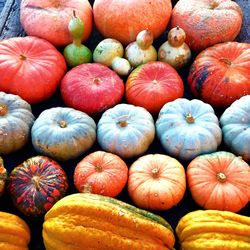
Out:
{"x": 3, "y": 176}
{"x": 94, "y": 221}
{"x": 16, "y": 119}
{"x": 101, "y": 173}
{"x": 207, "y": 22}
{"x": 141, "y": 51}
{"x": 30, "y": 67}
{"x": 235, "y": 125}
{"x": 175, "y": 51}
{"x": 63, "y": 133}
{"x": 220, "y": 74}
{"x": 76, "y": 53}
{"x": 219, "y": 181}
{"x": 153, "y": 84}
{"x": 36, "y": 184}
{"x": 156, "y": 182}
{"x": 125, "y": 130}
{"x": 14, "y": 232}
{"x": 188, "y": 128}
{"x": 212, "y": 229}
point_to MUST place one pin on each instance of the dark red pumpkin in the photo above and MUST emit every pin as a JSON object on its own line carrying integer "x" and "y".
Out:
{"x": 221, "y": 74}
{"x": 36, "y": 184}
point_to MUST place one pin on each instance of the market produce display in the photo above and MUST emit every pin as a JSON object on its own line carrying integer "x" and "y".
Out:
{"x": 124, "y": 125}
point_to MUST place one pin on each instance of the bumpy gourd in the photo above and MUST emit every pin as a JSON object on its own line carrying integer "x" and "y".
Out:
{"x": 76, "y": 53}
{"x": 3, "y": 176}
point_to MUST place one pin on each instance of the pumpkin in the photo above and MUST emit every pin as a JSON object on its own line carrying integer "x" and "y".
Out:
{"x": 30, "y": 67}
{"x": 16, "y": 119}
{"x": 235, "y": 124}
{"x": 212, "y": 229}
{"x": 187, "y": 128}
{"x": 49, "y": 19}
{"x": 91, "y": 88}
{"x": 14, "y": 232}
{"x": 123, "y": 20}
{"x": 207, "y": 22}
{"x": 94, "y": 221}
{"x": 220, "y": 74}
{"x": 101, "y": 173}
{"x": 156, "y": 182}
{"x": 63, "y": 133}
{"x": 153, "y": 84}
{"x": 36, "y": 184}
{"x": 219, "y": 181}
{"x": 3, "y": 176}
{"x": 126, "y": 130}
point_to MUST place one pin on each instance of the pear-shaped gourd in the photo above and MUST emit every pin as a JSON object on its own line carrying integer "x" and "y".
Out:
{"x": 76, "y": 53}
{"x": 141, "y": 51}
{"x": 175, "y": 51}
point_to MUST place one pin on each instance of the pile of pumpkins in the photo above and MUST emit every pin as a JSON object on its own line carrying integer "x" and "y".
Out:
{"x": 124, "y": 95}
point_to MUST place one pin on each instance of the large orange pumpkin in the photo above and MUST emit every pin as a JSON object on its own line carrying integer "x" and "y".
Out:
{"x": 207, "y": 22}
{"x": 124, "y": 19}
{"x": 49, "y": 19}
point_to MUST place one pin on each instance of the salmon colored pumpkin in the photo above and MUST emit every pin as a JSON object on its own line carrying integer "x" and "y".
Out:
{"x": 207, "y": 22}
{"x": 153, "y": 84}
{"x": 219, "y": 181}
{"x": 220, "y": 74}
{"x": 49, "y": 19}
{"x": 101, "y": 173}
{"x": 156, "y": 182}
{"x": 124, "y": 19}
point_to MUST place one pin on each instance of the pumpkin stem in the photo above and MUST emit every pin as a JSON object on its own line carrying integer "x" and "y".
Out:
{"x": 155, "y": 172}
{"x": 226, "y": 61}
{"x": 98, "y": 168}
{"x": 213, "y": 5}
{"x": 97, "y": 80}
{"x": 36, "y": 182}
{"x": 189, "y": 118}
{"x": 3, "y": 110}
{"x": 154, "y": 81}
{"x": 221, "y": 177}
{"x": 22, "y": 57}
{"x": 123, "y": 123}
{"x": 62, "y": 124}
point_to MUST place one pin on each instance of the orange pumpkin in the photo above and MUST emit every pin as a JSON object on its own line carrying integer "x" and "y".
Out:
{"x": 123, "y": 20}
{"x": 101, "y": 173}
{"x": 49, "y": 19}
{"x": 207, "y": 22}
{"x": 219, "y": 181}
{"x": 156, "y": 182}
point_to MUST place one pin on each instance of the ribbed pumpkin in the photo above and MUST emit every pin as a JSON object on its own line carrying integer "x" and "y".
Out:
{"x": 126, "y": 130}
{"x": 213, "y": 230}
{"x": 235, "y": 123}
{"x": 101, "y": 173}
{"x": 14, "y": 232}
{"x": 3, "y": 176}
{"x": 63, "y": 133}
{"x": 156, "y": 182}
{"x": 91, "y": 221}
{"x": 220, "y": 74}
{"x": 187, "y": 128}
{"x": 36, "y": 184}
{"x": 16, "y": 119}
{"x": 219, "y": 181}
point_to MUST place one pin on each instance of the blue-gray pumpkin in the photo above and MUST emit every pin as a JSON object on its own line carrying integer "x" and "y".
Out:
{"x": 188, "y": 128}
{"x": 63, "y": 133}
{"x": 126, "y": 130}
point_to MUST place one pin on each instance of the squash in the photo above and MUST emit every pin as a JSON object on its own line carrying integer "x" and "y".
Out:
{"x": 188, "y": 128}
{"x": 3, "y": 176}
{"x": 101, "y": 173}
{"x": 14, "y": 232}
{"x": 153, "y": 84}
{"x": 123, "y": 20}
{"x": 63, "y": 133}
{"x": 219, "y": 181}
{"x": 16, "y": 119}
{"x": 220, "y": 74}
{"x": 213, "y": 230}
{"x": 36, "y": 184}
{"x": 49, "y": 19}
{"x": 235, "y": 124}
{"x": 91, "y": 88}
{"x": 30, "y": 67}
{"x": 125, "y": 130}
{"x": 93, "y": 221}
{"x": 156, "y": 182}
{"x": 207, "y": 22}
